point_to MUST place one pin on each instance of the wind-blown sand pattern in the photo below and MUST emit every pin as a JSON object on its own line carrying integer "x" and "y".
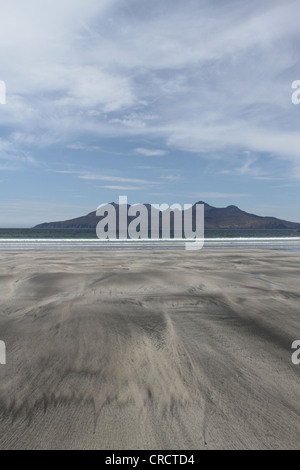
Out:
{"x": 149, "y": 350}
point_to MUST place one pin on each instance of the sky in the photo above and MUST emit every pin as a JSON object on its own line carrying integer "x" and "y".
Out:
{"x": 164, "y": 101}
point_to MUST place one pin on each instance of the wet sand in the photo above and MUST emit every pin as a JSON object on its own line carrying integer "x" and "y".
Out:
{"x": 149, "y": 350}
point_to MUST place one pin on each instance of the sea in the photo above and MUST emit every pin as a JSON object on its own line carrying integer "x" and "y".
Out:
{"x": 73, "y": 239}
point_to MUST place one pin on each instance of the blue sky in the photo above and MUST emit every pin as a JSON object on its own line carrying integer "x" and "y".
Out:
{"x": 160, "y": 100}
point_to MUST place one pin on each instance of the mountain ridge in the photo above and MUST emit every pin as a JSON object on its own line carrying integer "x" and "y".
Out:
{"x": 229, "y": 217}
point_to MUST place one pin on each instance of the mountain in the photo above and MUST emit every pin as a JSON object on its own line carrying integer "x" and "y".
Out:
{"x": 214, "y": 217}
{"x": 233, "y": 217}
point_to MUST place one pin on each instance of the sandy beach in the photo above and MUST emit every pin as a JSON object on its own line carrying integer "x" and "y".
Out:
{"x": 149, "y": 350}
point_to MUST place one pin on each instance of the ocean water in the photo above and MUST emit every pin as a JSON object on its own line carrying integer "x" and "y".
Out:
{"x": 45, "y": 239}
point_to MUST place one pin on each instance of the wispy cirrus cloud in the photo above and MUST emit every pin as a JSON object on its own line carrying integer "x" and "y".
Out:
{"x": 102, "y": 177}
{"x": 120, "y": 179}
{"x": 151, "y": 152}
{"x": 171, "y": 177}
{"x": 122, "y": 188}
{"x": 15, "y": 158}
{"x": 83, "y": 146}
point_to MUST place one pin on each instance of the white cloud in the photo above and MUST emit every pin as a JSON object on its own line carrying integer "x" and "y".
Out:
{"x": 151, "y": 152}
{"x": 14, "y": 157}
{"x": 82, "y": 146}
{"x": 96, "y": 177}
{"x": 171, "y": 177}
{"x": 122, "y": 188}
{"x": 87, "y": 86}
{"x": 101, "y": 177}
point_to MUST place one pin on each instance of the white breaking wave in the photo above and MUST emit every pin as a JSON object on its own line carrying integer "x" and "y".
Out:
{"x": 287, "y": 243}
